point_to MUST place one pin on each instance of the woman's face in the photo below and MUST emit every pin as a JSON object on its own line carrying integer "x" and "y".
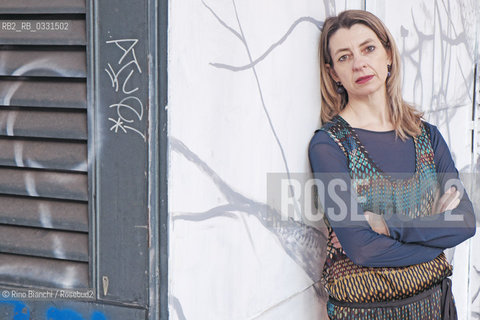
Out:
{"x": 359, "y": 60}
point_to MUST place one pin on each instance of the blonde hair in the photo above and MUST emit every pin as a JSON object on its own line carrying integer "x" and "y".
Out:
{"x": 405, "y": 118}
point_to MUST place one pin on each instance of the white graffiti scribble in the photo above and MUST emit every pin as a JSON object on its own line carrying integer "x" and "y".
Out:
{"x": 124, "y": 113}
{"x": 130, "y": 49}
{"x": 114, "y": 78}
{"x": 118, "y": 124}
{"x": 129, "y": 111}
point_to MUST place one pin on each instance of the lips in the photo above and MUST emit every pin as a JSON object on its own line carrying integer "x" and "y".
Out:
{"x": 364, "y": 79}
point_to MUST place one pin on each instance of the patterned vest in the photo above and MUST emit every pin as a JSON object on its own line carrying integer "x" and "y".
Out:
{"x": 380, "y": 193}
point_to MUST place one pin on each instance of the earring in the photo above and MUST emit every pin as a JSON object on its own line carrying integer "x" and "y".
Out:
{"x": 340, "y": 88}
{"x": 389, "y": 68}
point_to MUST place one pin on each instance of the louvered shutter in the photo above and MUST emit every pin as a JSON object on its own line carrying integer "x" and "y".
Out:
{"x": 44, "y": 198}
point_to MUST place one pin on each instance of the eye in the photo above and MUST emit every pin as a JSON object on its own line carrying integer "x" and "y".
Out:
{"x": 370, "y": 48}
{"x": 343, "y": 58}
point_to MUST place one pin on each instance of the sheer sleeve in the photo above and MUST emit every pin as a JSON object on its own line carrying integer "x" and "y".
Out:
{"x": 446, "y": 229}
{"x": 360, "y": 243}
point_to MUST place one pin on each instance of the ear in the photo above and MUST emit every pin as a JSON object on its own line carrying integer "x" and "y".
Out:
{"x": 389, "y": 56}
{"x": 332, "y": 72}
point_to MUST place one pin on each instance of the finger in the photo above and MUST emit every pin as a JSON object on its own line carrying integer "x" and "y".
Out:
{"x": 367, "y": 215}
{"x": 445, "y": 199}
{"x": 451, "y": 201}
{"x": 452, "y": 205}
{"x": 376, "y": 222}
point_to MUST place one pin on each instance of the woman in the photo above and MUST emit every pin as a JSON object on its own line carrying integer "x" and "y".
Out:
{"x": 387, "y": 181}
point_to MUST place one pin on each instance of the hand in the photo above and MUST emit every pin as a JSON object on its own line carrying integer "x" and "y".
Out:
{"x": 377, "y": 223}
{"x": 448, "y": 201}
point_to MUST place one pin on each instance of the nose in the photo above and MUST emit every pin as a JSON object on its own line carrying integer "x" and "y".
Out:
{"x": 359, "y": 62}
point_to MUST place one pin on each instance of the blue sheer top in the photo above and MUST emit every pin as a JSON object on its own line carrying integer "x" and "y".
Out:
{"x": 411, "y": 241}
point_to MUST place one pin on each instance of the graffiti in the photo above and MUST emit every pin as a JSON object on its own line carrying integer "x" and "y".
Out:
{"x": 134, "y": 106}
{"x": 317, "y": 23}
{"x": 177, "y": 308}
{"x": 9, "y": 118}
{"x": 22, "y": 312}
{"x": 66, "y": 314}
{"x": 114, "y": 75}
{"x": 129, "y": 110}
{"x": 12, "y": 124}
{"x": 303, "y": 243}
{"x": 252, "y": 64}
{"x": 447, "y": 37}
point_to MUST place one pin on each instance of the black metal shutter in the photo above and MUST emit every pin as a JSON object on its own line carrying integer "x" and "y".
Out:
{"x": 44, "y": 228}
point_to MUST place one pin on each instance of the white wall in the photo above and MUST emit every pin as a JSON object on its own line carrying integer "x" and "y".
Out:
{"x": 244, "y": 102}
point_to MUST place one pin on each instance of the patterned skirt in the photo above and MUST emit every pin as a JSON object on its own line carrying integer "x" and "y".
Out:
{"x": 433, "y": 304}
